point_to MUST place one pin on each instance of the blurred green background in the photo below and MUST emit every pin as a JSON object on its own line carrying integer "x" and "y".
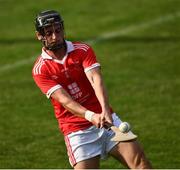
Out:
{"x": 137, "y": 43}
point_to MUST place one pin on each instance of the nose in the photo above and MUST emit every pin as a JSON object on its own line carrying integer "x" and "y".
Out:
{"x": 54, "y": 36}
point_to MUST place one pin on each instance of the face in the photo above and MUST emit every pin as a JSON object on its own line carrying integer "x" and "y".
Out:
{"x": 53, "y": 36}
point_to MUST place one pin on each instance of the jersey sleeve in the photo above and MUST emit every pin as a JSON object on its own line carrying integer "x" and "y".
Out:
{"x": 45, "y": 83}
{"x": 89, "y": 60}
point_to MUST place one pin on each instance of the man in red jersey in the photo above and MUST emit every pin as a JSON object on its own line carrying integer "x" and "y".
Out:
{"x": 69, "y": 74}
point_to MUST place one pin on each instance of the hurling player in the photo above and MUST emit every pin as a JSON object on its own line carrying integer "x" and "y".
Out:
{"x": 69, "y": 74}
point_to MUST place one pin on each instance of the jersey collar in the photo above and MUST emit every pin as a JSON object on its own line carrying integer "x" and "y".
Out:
{"x": 70, "y": 48}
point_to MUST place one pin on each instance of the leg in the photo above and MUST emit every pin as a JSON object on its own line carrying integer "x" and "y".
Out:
{"x": 92, "y": 163}
{"x": 131, "y": 154}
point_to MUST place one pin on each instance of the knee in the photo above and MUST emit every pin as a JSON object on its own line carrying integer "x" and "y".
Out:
{"x": 140, "y": 161}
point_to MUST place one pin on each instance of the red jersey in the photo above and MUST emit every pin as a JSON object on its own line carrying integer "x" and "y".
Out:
{"x": 69, "y": 73}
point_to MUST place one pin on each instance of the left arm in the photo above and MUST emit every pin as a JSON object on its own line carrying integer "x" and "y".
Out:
{"x": 95, "y": 77}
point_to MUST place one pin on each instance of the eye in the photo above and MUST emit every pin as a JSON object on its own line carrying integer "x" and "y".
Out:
{"x": 48, "y": 33}
{"x": 58, "y": 30}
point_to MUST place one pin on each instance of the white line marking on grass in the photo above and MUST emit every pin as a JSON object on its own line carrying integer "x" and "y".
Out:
{"x": 132, "y": 28}
{"x": 16, "y": 64}
{"x": 102, "y": 37}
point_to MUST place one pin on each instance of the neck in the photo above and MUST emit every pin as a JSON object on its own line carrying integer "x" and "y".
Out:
{"x": 57, "y": 54}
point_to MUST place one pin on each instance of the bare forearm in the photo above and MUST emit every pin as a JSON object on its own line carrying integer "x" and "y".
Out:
{"x": 75, "y": 108}
{"x": 65, "y": 99}
{"x": 101, "y": 93}
{"x": 97, "y": 83}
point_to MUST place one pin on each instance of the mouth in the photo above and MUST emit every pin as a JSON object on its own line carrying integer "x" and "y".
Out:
{"x": 55, "y": 45}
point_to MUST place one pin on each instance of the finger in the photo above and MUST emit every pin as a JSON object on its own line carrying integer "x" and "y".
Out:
{"x": 103, "y": 120}
{"x": 102, "y": 124}
{"x": 98, "y": 125}
{"x": 109, "y": 120}
{"x": 102, "y": 117}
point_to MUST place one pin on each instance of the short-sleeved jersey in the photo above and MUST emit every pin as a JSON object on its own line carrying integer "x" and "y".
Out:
{"x": 69, "y": 73}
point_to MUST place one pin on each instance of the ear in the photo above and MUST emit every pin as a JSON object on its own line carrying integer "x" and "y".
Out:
{"x": 39, "y": 36}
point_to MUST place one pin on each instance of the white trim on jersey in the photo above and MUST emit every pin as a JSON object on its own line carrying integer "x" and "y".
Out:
{"x": 81, "y": 46}
{"x": 91, "y": 67}
{"x": 53, "y": 89}
{"x": 37, "y": 67}
{"x": 60, "y": 61}
{"x": 70, "y": 48}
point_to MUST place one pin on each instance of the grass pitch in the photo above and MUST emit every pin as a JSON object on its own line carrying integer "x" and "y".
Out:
{"x": 137, "y": 43}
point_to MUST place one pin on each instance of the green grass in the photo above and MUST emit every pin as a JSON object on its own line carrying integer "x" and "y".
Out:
{"x": 140, "y": 69}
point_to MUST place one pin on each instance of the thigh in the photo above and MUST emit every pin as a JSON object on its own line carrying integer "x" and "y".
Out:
{"x": 92, "y": 163}
{"x": 84, "y": 146}
{"x": 131, "y": 155}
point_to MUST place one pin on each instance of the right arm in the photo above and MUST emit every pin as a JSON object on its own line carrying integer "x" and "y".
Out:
{"x": 74, "y": 107}
{"x": 57, "y": 92}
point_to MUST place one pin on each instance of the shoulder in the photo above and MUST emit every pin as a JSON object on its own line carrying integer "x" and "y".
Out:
{"x": 38, "y": 67}
{"x": 81, "y": 46}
